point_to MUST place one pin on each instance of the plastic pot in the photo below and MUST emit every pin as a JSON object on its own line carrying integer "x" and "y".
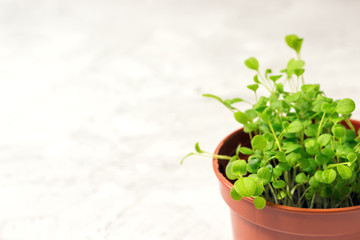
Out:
{"x": 277, "y": 222}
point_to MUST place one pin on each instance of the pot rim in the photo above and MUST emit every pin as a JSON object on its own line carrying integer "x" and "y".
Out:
{"x": 229, "y": 185}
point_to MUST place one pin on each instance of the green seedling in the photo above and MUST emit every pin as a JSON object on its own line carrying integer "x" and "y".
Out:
{"x": 304, "y": 149}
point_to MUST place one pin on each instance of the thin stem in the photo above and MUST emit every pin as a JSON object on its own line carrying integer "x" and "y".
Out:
{"x": 302, "y": 196}
{"x": 336, "y": 164}
{"x": 349, "y": 124}
{"x": 273, "y": 193}
{"x": 276, "y": 139}
{"x": 312, "y": 201}
{"x": 321, "y": 121}
{"x": 264, "y": 83}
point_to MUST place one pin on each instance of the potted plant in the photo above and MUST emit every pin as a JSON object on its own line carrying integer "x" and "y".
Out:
{"x": 292, "y": 171}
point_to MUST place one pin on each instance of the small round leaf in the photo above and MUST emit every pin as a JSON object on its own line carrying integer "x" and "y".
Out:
{"x": 324, "y": 139}
{"x": 258, "y": 142}
{"x": 259, "y": 202}
{"x": 301, "y": 178}
{"x": 241, "y": 117}
{"x": 345, "y": 106}
{"x": 252, "y": 63}
{"x": 264, "y": 173}
{"x": 279, "y": 184}
{"x": 234, "y": 195}
{"x": 246, "y": 151}
{"x": 253, "y": 87}
{"x": 238, "y": 167}
{"x": 344, "y": 171}
{"x": 294, "y": 127}
{"x": 245, "y": 186}
{"x": 329, "y": 175}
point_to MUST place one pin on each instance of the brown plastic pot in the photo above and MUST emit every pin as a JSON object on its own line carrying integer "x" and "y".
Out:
{"x": 277, "y": 222}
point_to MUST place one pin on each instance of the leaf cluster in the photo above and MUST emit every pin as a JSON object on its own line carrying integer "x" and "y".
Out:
{"x": 303, "y": 152}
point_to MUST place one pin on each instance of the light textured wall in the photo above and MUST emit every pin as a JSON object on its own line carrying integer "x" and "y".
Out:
{"x": 99, "y": 101}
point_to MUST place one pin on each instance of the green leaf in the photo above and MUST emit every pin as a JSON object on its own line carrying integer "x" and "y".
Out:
{"x": 234, "y": 195}
{"x": 350, "y": 135}
{"x": 311, "y": 146}
{"x": 277, "y": 172}
{"x": 321, "y": 159}
{"x": 279, "y": 184}
{"x": 299, "y": 71}
{"x": 253, "y": 87}
{"x": 259, "y": 202}
{"x": 284, "y": 166}
{"x": 313, "y": 182}
{"x": 345, "y": 106}
{"x": 254, "y": 163}
{"x": 294, "y": 127}
{"x": 234, "y": 158}
{"x": 328, "y": 107}
{"x": 256, "y": 79}
{"x": 293, "y": 65}
{"x": 311, "y": 130}
{"x": 241, "y": 117}
{"x": 238, "y": 149}
{"x": 281, "y": 195}
{"x": 227, "y": 103}
{"x": 259, "y": 188}
{"x": 326, "y": 192}
{"x": 328, "y": 152}
{"x": 311, "y": 167}
{"x": 293, "y": 97}
{"x": 291, "y": 147}
{"x": 197, "y": 148}
{"x": 351, "y": 157}
{"x": 267, "y": 72}
{"x": 344, "y": 171}
{"x": 338, "y": 131}
{"x": 246, "y": 151}
{"x": 213, "y": 96}
{"x": 318, "y": 176}
{"x": 304, "y": 163}
{"x": 324, "y": 139}
{"x": 266, "y": 115}
{"x": 245, "y": 186}
{"x": 329, "y": 175}
{"x": 280, "y": 87}
{"x": 251, "y": 113}
{"x": 301, "y": 178}
{"x": 229, "y": 173}
{"x": 281, "y": 156}
{"x": 252, "y": 63}
{"x": 264, "y": 173}
{"x": 258, "y": 142}
{"x": 293, "y": 158}
{"x": 274, "y": 78}
{"x": 294, "y": 42}
{"x": 309, "y": 88}
{"x": 238, "y": 167}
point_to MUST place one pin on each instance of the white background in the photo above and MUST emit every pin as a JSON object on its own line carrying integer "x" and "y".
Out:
{"x": 100, "y": 100}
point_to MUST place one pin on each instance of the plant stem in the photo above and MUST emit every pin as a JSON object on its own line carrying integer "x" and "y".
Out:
{"x": 312, "y": 201}
{"x": 273, "y": 193}
{"x": 264, "y": 83}
{"x": 349, "y": 124}
{"x": 220, "y": 157}
{"x": 302, "y": 196}
{"x": 319, "y": 128}
{"x": 276, "y": 139}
